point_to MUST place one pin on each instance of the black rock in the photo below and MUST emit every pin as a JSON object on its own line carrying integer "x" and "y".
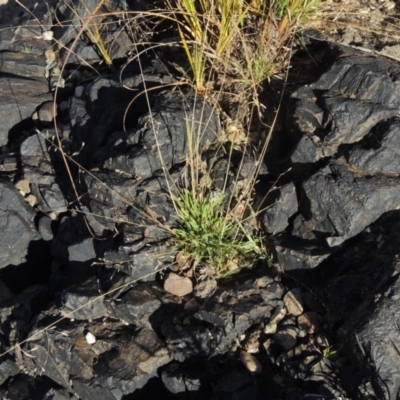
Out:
{"x": 16, "y": 224}
{"x": 16, "y": 316}
{"x": 378, "y": 153}
{"x": 294, "y": 253}
{"x": 19, "y": 98}
{"x": 344, "y": 104}
{"x": 42, "y": 166}
{"x": 143, "y": 264}
{"x": 23, "y": 64}
{"x": 136, "y": 306}
{"x": 361, "y": 285}
{"x": 186, "y": 382}
{"x": 8, "y": 368}
{"x": 109, "y": 368}
{"x": 343, "y": 202}
{"x": 177, "y": 122}
{"x": 83, "y": 301}
{"x": 283, "y": 207}
{"x": 102, "y": 110}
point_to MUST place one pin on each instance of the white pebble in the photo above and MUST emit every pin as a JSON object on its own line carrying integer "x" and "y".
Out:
{"x": 90, "y": 338}
{"x": 47, "y": 35}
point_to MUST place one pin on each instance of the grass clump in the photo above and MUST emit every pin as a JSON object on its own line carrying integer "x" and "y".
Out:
{"x": 208, "y": 233}
{"x": 294, "y": 14}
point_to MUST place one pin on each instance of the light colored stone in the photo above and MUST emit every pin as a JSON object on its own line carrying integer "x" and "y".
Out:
{"x": 178, "y": 285}
{"x": 294, "y": 302}
{"x": 250, "y": 362}
{"x": 48, "y": 35}
{"x": 267, "y": 344}
{"x": 23, "y": 187}
{"x": 270, "y": 328}
{"x": 322, "y": 340}
{"x": 389, "y": 5}
{"x": 277, "y": 316}
{"x": 19, "y": 98}
{"x": 32, "y": 200}
{"x": 47, "y": 112}
{"x": 263, "y": 282}
{"x": 50, "y": 56}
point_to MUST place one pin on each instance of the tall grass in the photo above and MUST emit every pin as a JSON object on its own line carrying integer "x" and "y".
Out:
{"x": 245, "y": 39}
{"x": 92, "y": 29}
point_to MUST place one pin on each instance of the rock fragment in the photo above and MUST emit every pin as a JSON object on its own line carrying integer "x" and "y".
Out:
{"x": 277, "y": 214}
{"x": 276, "y": 317}
{"x": 250, "y": 362}
{"x": 286, "y": 338}
{"x": 309, "y": 322}
{"x": 16, "y": 225}
{"x": 343, "y": 202}
{"x": 178, "y": 285}
{"x": 294, "y": 301}
{"x": 82, "y": 301}
{"x": 19, "y": 99}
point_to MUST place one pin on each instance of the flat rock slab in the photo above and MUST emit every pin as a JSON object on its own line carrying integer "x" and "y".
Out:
{"x": 23, "y": 64}
{"x": 343, "y": 201}
{"x": 19, "y": 98}
{"x": 82, "y": 301}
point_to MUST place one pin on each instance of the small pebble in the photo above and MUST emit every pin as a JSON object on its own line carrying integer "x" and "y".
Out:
{"x": 23, "y": 187}
{"x": 50, "y": 56}
{"x": 79, "y": 91}
{"x": 250, "y": 362}
{"x": 46, "y": 112}
{"x": 270, "y": 328}
{"x": 267, "y": 344}
{"x": 63, "y": 106}
{"x": 322, "y": 340}
{"x": 90, "y": 338}
{"x": 47, "y": 35}
{"x": 389, "y": 5}
{"x": 32, "y": 200}
{"x": 277, "y": 316}
{"x": 294, "y": 301}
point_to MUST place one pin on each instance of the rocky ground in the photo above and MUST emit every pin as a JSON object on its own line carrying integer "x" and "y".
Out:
{"x": 91, "y": 305}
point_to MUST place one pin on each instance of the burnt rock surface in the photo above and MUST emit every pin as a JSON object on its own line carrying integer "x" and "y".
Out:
{"x": 346, "y": 122}
{"x": 85, "y": 238}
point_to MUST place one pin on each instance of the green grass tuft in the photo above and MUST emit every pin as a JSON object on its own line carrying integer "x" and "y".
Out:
{"x": 207, "y": 233}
